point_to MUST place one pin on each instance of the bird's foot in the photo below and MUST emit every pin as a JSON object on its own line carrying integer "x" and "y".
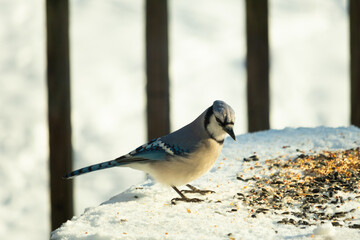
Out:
{"x": 194, "y": 200}
{"x": 183, "y": 198}
{"x": 196, "y": 190}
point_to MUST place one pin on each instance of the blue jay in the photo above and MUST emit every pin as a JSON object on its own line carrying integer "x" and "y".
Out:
{"x": 182, "y": 156}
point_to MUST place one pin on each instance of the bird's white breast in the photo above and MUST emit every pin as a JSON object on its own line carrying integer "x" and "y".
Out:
{"x": 182, "y": 170}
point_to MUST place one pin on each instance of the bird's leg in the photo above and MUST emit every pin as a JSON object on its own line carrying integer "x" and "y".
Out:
{"x": 183, "y": 197}
{"x": 196, "y": 190}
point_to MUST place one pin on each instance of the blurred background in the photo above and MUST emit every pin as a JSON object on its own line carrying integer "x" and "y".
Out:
{"x": 309, "y": 86}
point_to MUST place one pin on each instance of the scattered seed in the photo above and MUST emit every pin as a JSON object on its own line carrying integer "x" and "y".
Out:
{"x": 322, "y": 177}
{"x": 357, "y": 226}
{"x": 336, "y": 224}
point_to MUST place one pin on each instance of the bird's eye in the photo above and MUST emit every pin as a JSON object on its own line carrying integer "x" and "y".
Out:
{"x": 218, "y": 120}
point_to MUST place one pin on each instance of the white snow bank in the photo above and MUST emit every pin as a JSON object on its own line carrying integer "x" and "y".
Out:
{"x": 145, "y": 211}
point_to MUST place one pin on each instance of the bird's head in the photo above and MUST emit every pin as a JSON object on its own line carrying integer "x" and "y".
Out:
{"x": 219, "y": 121}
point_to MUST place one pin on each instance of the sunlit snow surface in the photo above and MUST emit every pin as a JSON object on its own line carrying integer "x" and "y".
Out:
{"x": 145, "y": 212}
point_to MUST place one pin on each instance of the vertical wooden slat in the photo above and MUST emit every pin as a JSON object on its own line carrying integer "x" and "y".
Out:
{"x": 257, "y": 64}
{"x": 354, "y": 7}
{"x": 157, "y": 89}
{"x": 58, "y": 82}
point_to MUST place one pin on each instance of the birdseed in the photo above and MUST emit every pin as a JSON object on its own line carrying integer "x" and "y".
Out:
{"x": 309, "y": 183}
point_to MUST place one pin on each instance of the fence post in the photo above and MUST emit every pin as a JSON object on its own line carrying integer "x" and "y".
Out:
{"x": 58, "y": 83}
{"x": 354, "y": 7}
{"x": 157, "y": 87}
{"x": 257, "y": 64}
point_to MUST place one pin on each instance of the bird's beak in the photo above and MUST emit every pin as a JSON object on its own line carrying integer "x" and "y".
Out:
{"x": 230, "y": 131}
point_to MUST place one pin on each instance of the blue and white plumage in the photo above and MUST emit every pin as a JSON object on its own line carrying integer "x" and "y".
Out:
{"x": 182, "y": 156}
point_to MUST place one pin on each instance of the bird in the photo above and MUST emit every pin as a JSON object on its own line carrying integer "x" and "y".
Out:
{"x": 182, "y": 156}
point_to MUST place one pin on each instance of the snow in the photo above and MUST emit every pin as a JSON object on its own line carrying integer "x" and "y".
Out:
{"x": 309, "y": 86}
{"x": 145, "y": 211}
{"x": 325, "y": 230}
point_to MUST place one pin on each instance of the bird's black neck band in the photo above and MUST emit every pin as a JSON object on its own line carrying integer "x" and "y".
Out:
{"x": 208, "y": 114}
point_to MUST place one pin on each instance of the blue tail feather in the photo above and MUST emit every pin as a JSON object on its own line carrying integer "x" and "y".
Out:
{"x": 124, "y": 160}
{"x": 92, "y": 168}
{"x": 155, "y": 150}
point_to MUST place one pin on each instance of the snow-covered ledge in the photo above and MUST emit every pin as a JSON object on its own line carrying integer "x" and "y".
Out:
{"x": 146, "y": 212}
